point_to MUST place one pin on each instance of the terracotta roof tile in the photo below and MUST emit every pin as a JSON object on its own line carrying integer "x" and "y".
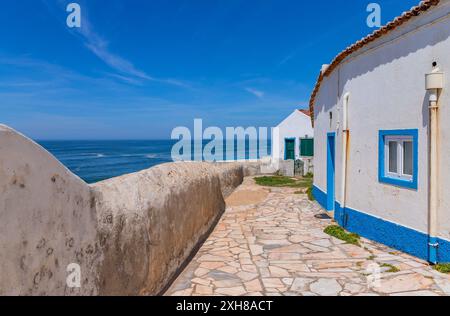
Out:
{"x": 306, "y": 112}
{"x": 405, "y": 17}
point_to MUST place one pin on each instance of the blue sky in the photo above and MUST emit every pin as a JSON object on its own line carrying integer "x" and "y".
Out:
{"x": 137, "y": 69}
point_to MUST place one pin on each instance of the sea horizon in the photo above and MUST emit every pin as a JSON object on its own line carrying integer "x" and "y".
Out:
{"x": 98, "y": 160}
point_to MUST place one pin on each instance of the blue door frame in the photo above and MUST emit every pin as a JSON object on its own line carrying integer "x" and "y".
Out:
{"x": 331, "y": 170}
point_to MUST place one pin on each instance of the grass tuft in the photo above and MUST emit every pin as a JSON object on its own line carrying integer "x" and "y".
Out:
{"x": 442, "y": 268}
{"x": 339, "y": 233}
{"x": 286, "y": 182}
{"x": 310, "y": 193}
{"x": 392, "y": 269}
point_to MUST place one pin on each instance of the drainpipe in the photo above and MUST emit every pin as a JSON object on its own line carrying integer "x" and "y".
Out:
{"x": 434, "y": 83}
{"x": 345, "y": 135}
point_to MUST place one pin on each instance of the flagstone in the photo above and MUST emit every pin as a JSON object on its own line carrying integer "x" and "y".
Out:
{"x": 416, "y": 293}
{"x": 297, "y": 249}
{"x": 256, "y": 250}
{"x": 353, "y": 288}
{"x": 278, "y": 272}
{"x": 333, "y": 264}
{"x": 211, "y": 265}
{"x": 201, "y": 272}
{"x": 278, "y": 247}
{"x": 288, "y": 281}
{"x": 294, "y": 267}
{"x": 326, "y": 287}
{"x": 250, "y": 268}
{"x": 272, "y": 283}
{"x": 253, "y": 286}
{"x": 187, "y": 292}
{"x": 203, "y": 290}
{"x": 201, "y": 281}
{"x": 444, "y": 285}
{"x": 227, "y": 283}
{"x": 247, "y": 276}
{"x": 301, "y": 284}
{"x": 285, "y": 256}
{"x": 233, "y": 291}
{"x": 228, "y": 269}
{"x": 404, "y": 283}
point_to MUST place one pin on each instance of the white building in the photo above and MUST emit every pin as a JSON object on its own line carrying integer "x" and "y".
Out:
{"x": 293, "y": 138}
{"x": 382, "y": 136}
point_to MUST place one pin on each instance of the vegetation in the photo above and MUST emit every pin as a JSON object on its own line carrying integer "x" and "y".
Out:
{"x": 339, "y": 233}
{"x": 309, "y": 191}
{"x": 392, "y": 269}
{"x": 442, "y": 267}
{"x": 286, "y": 182}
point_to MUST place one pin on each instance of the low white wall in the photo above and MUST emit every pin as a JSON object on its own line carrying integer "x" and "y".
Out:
{"x": 130, "y": 234}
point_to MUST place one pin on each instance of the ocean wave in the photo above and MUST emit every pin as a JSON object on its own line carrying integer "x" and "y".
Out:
{"x": 151, "y": 156}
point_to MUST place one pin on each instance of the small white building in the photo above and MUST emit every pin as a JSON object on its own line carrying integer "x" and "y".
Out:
{"x": 293, "y": 139}
{"x": 381, "y": 114}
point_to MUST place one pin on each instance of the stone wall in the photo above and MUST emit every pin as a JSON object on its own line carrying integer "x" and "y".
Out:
{"x": 48, "y": 220}
{"x": 130, "y": 235}
{"x": 153, "y": 220}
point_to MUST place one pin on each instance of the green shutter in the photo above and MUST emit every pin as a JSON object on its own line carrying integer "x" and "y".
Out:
{"x": 290, "y": 149}
{"x": 307, "y": 147}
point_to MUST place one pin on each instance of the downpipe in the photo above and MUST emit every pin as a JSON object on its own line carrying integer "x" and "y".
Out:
{"x": 434, "y": 83}
{"x": 345, "y": 135}
{"x": 433, "y": 244}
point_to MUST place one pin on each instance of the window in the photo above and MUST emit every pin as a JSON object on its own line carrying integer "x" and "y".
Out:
{"x": 307, "y": 147}
{"x": 398, "y": 158}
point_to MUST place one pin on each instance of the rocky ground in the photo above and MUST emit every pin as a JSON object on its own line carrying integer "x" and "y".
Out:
{"x": 270, "y": 241}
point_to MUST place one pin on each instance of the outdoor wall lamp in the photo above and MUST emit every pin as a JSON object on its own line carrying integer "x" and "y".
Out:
{"x": 434, "y": 80}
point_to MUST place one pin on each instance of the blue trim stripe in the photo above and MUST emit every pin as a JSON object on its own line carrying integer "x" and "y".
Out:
{"x": 331, "y": 161}
{"x": 320, "y": 196}
{"x": 388, "y": 233}
{"x": 443, "y": 252}
{"x": 414, "y": 133}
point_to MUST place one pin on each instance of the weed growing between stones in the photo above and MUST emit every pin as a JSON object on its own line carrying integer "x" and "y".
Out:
{"x": 339, "y": 233}
{"x": 443, "y": 268}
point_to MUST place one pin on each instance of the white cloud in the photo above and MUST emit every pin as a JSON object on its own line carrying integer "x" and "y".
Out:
{"x": 99, "y": 46}
{"x": 257, "y": 93}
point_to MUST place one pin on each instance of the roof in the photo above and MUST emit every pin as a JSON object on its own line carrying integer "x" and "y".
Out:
{"x": 306, "y": 112}
{"x": 397, "y": 22}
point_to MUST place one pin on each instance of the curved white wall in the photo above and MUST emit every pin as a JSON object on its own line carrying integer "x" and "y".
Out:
{"x": 386, "y": 83}
{"x": 130, "y": 234}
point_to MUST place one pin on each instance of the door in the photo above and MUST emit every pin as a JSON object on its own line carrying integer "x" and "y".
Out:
{"x": 331, "y": 158}
{"x": 289, "y": 149}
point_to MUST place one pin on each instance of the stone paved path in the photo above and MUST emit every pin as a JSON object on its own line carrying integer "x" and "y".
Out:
{"x": 270, "y": 242}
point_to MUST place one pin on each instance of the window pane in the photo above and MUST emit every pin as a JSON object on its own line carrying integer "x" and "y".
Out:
{"x": 393, "y": 157}
{"x": 408, "y": 158}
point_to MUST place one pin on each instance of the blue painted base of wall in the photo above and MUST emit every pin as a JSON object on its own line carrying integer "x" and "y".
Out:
{"x": 320, "y": 197}
{"x": 393, "y": 235}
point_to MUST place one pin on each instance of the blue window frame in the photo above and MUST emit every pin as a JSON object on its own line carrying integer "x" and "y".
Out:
{"x": 398, "y": 157}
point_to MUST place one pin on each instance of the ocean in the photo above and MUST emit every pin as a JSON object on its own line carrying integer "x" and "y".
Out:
{"x": 95, "y": 161}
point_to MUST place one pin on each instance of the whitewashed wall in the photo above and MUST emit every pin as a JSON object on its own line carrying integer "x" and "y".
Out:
{"x": 386, "y": 83}
{"x": 297, "y": 125}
